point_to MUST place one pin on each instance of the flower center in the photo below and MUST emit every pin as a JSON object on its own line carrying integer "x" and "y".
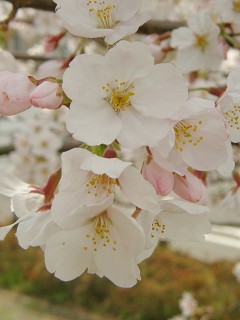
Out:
{"x": 201, "y": 41}
{"x": 103, "y": 13}
{"x": 119, "y": 95}
{"x": 236, "y": 5}
{"x": 186, "y": 134}
{"x": 157, "y": 228}
{"x": 232, "y": 117}
{"x": 101, "y": 183}
{"x": 100, "y": 235}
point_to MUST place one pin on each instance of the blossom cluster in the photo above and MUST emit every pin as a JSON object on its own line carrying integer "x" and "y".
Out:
{"x": 190, "y": 308}
{"x": 120, "y": 100}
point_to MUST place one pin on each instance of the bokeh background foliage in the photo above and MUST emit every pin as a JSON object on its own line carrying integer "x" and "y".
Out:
{"x": 164, "y": 277}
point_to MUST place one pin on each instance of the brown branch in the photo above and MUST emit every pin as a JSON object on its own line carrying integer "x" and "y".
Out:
{"x": 160, "y": 26}
{"x": 47, "y": 5}
{"x": 35, "y": 58}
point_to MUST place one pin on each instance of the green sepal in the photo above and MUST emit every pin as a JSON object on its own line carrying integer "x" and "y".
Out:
{"x": 98, "y": 150}
{"x": 116, "y": 146}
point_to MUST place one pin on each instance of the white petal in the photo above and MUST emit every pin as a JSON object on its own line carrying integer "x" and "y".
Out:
{"x": 213, "y": 145}
{"x": 214, "y": 137}
{"x": 173, "y": 162}
{"x": 139, "y": 130}
{"x": 176, "y": 205}
{"x": 93, "y": 122}
{"x": 233, "y": 80}
{"x": 125, "y": 9}
{"x": 153, "y": 94}
{"x": 201, "y": 23}
{"x": 129, "y": 230}
{"x": 74, "y": 218}
{"x": 111, "y": 167}
{"x": 194, "y": 108}
{"x": 165, "y": 145}
{"x": 126, "y": 28}
{"x": 11, "y": 184}
{"x": 229, "y": 104}
{"x": 36, "y": 231}
{"x": 227, "y": 168}
{"x": 137, "y": 60}
{"x": 76, "y": 19}
{"x": 72, "y": 177}
{"x": 182, "y": 38}
{"x": 184, "y": 226}
{"x": 27, "y": 204}
{"x": 65, "y": 254}
{"x": 140, "y": 192}
{"x": 84, "y": 72}
{"x": 214, "y": 55}
{"x": 4, "y": 230}
{"x": 146, "y": 219}
{"x": 190, "y": 59}
{"x": 118, "y": 266}
{"x": 118, "y": 262}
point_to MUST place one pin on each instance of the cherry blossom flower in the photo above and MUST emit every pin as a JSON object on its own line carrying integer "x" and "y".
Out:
{"x": 15, "y": 89}
{"x": 177, "y": 220}
{"x": 124, "y": 101}
{"x": 88, "y": 179}
{"x": 197, "y": 45}
{"x": 99, "y": 238}
{"x": 188, "y": 305}
{"x": 198, "y": 130}
{"x": 226, "y": 11}
{"x": 229, "y": 104}
{"x": 47, "y": 95}
{"x": 112, "y": 19}
{"x": 30, "y": 205}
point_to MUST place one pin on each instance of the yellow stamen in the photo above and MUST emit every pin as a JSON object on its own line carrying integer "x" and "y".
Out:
{"x": 201, "y": 41}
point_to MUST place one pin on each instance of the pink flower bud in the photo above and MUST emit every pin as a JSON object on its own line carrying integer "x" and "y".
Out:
{"x": 190, "y": 188}
{"x": 15, "y": 89}
{"x": 47, "y": 95}
{"x": 161, "y": 179}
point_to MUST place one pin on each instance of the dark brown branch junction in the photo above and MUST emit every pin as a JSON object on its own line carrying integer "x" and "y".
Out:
{"x": 47, "y": 5}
